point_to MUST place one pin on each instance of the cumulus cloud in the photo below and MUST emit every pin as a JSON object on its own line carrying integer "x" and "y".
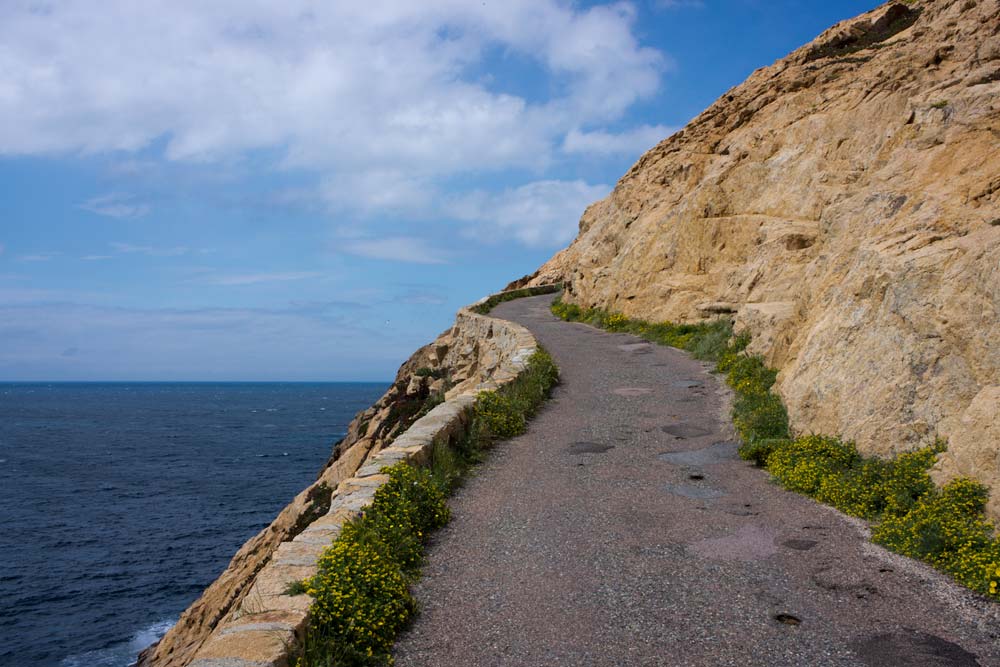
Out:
{"x": 383, "y": 101}
{"x": 543, "y": 213}
{"x": 632, "y": 142}
{"x": 115, "y": 205}
{"x": 329, "y": 83}
{"x": 408, "y": 249}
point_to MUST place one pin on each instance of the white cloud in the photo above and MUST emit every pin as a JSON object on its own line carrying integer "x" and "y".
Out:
{"x": 96, "y": 258}
{"x": 632, "y": 142}
{"x": 385, "y": 104}
{"x": 344, "y": 88}
{"x": 378, "y": 190}
{"x": 254, "y": 278}
{"x": 543, "y": 213}
{"x": 396, "y": 249}
{"x": 115, "y": 205}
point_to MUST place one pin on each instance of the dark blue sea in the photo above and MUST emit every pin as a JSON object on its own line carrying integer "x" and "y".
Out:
{"x": 120, "y": 502}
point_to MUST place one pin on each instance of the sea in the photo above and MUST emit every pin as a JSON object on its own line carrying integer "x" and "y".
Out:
{"x": 121, "y": 502}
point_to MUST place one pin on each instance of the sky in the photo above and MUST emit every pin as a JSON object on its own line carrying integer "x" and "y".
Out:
{"x": 247, "y": 190}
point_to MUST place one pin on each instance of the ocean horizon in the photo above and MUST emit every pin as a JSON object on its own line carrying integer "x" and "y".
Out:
{"x": 123, "y": 500}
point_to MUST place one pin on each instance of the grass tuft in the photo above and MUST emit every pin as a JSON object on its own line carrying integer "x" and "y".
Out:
{"x": 705, "y": 341}
{"x": 486, "y": 306}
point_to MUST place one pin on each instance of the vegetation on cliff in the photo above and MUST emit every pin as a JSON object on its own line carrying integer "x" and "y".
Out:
{"x": 943, "y": 527}
{"x": 509, "y": 295}
{"x": 361, "y": 590}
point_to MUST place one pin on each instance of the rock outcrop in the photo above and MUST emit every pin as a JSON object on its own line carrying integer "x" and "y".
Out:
{"x": 844, "y": 205}
{"x": 477, "y": 353}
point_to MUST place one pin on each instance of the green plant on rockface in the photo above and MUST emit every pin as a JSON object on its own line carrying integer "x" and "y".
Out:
{"x": 361, "y": 589}
{"x": 436, "y": 373}
{"x": 945, "y": 528}
{"x": 318, "y": 498}
{"x": 297, "y": 587}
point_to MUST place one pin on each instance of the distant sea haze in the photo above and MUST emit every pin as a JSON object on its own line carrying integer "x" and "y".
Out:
{"x": 121, "y": 502}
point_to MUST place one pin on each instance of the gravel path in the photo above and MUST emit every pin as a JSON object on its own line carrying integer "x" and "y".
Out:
{"x": 622, "y": 529}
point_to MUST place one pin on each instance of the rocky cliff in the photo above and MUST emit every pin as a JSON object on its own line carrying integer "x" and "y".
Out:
{"x": 843, "y": 205}
{"x": 476, "y": 353}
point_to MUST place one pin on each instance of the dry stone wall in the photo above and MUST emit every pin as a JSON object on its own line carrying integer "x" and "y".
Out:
{"x": 245, "y": 619}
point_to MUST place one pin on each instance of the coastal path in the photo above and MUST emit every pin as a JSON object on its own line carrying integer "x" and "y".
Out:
{"x": 622, "y": 529}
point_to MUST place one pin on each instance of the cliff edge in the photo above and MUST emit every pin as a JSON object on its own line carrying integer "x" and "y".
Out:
{"x": 843, "y": 205}
{"x": 476, "y": 353}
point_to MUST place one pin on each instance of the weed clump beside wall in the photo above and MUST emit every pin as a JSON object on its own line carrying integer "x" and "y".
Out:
{"x": 943, "y": 527}
{"x": 361, "y": 589}
{"x": 495, "y": 300}
{"x": 706, "y": 341}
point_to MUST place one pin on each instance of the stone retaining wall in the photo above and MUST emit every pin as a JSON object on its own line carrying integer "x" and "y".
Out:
{"x": 261, "y": 625}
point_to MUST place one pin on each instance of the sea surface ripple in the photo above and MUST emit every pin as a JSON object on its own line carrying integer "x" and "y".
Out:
{"x": 121, "y": 502}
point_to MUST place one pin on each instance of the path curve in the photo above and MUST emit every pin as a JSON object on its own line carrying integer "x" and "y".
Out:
{"x": 622, "y": 529}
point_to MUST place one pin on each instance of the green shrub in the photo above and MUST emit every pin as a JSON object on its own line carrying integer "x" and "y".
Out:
{"x": 566, "y": 311}
{"x": 486, "y": 306}
{"x": 759, "y": 451}
{"x": 504, "y": 413}
{"x": 803, "y": 464}
{"x": 360, "y": 590}
{"x": 760, "y": 417}
{"x": 361, "y": 603}
{"x": 732, "y": 352}
{"x": 705, "y": 340}
{"x": 946, "y": 528}
{"x": 298, "y": 587}
{"x": 750, "y": 375}
{"x": 499, "y": 414}
{"x": 404, "y": 509}
{"x": 711, "y": 342}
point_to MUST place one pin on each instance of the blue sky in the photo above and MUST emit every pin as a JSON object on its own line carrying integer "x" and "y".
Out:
{"x": 246, "y": 190}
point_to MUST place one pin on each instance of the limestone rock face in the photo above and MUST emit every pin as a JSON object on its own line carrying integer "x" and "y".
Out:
{"x": 845, "y": 203}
